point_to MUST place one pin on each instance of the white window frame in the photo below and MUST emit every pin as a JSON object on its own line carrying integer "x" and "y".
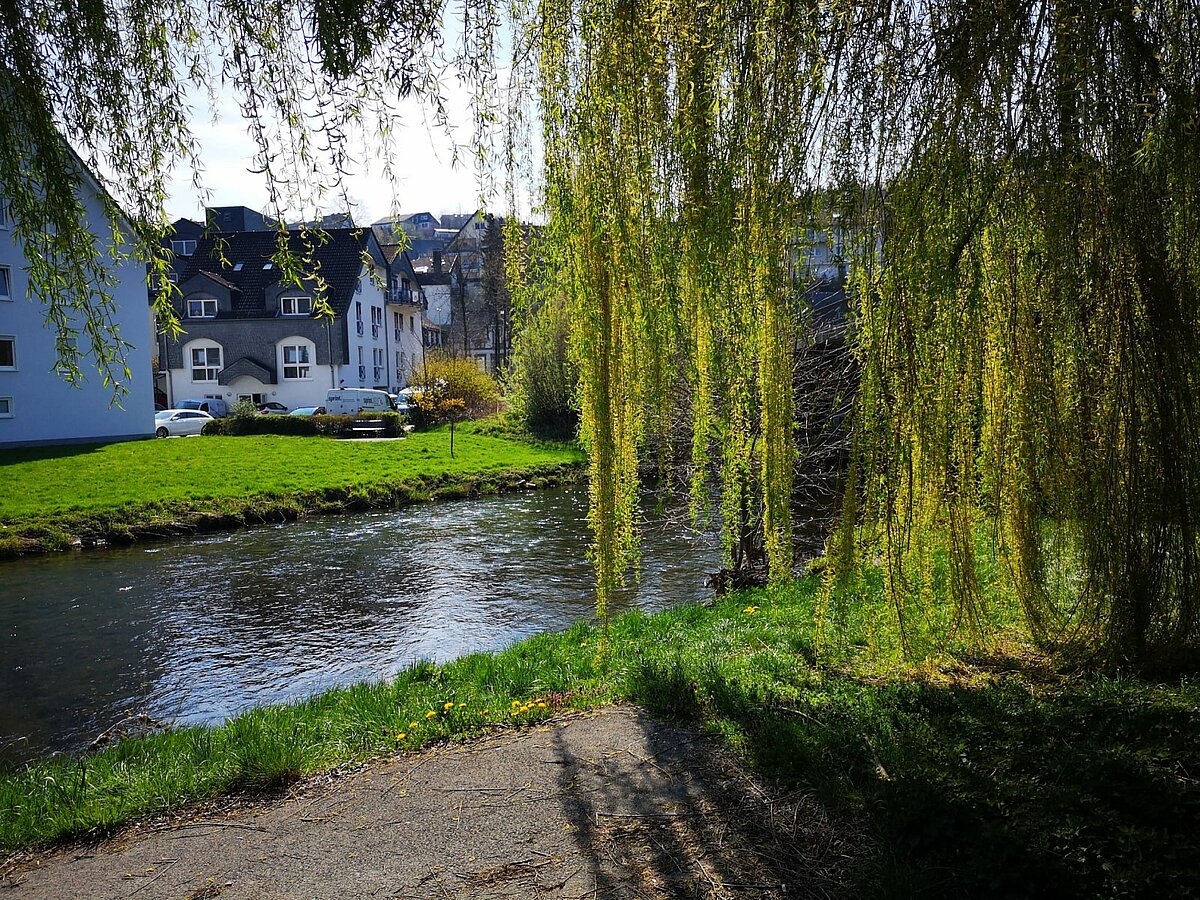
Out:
{"x": 204, "y": 303}
{"x": 295, "y": 300}
{"x": 206, "y": 366}
{"x": 302, "y": 367}
{"x": 6, "y": 287}
{"x": 12, "y": 340}
{"x": 183, "y": 246}
{"x": 6, "y": 408}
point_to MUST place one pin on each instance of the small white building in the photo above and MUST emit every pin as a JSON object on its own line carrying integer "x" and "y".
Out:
{"x": 37, "y": 406}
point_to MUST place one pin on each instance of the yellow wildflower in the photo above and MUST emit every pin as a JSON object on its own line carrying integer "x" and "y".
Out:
{"x": 412, "y": 724}
{"x": 401, "y": 736}
{"x": 448, "y": 706}
{"x": 750, "y": 610}
{"x": 431, "y": 714}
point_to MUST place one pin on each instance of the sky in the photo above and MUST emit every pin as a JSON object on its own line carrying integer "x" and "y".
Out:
{"x": 427, "y": 179}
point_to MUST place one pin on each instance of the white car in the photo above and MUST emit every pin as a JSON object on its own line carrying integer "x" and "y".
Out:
{"x": 176, "y": 422}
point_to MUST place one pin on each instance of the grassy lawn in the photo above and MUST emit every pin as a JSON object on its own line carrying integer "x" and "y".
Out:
{"x": 122, "y": 492}
{"x": 984, "y": 776}
{"x": 86, "y": 479}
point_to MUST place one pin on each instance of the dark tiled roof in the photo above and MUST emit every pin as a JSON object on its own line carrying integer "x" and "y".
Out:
{"x": 217, "y": 278}
{"x": 338, "y": 259}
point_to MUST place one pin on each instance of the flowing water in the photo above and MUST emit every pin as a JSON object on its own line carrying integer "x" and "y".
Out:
{"x": 193, "y": 631}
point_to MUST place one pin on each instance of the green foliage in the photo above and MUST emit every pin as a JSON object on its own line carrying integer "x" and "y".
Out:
{"x": 328, "y": 426}
{"x": 544, "y": 380}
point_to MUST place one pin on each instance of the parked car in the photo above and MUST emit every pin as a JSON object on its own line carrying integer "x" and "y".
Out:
{"x": 272, "y": 407}
{"x": 211, "y": 405}
{"x": 178, "y": 422}
{"x": 308, "y": 411}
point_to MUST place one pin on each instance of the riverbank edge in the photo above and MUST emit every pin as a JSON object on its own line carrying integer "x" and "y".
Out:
{"x": 141, "y": 523}
{"x": 977, "y": 773}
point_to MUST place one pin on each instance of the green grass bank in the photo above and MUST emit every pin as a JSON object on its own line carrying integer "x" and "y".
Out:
{"x": 983, "y": 775}
{"x": 53, "y": 497}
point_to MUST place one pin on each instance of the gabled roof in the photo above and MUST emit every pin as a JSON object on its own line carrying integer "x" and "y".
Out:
{"x": 336, "y": 256}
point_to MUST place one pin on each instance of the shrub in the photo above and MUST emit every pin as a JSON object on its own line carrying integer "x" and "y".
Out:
{"x": 449, "y": 379}
{"x": 328, "y": 426}
{"x": 544, "y": 377}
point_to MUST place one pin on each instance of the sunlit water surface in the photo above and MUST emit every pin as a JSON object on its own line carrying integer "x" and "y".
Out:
{"x": 191, "y": 632}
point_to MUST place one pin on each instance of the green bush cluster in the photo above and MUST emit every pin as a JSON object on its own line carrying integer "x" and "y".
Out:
{"x": 302, "y": 426}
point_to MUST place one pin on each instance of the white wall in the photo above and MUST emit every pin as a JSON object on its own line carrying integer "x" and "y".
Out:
{"x": 44, "y": 408}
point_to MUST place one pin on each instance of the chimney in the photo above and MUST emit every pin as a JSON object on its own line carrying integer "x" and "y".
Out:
{"x": 437, "y": 262}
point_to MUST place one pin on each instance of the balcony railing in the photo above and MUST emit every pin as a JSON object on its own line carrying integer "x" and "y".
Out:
{"x": 360, "y": 327}
{"x": 402, "y": 295}
{"x": 362, "y": 372}
{"x": 378, "y": 374}
{"x": 375, "y": 331}
{"x": 398, "y": 334}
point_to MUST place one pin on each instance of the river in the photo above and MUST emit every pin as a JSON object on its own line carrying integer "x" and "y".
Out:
{"x": 193, "y": 631}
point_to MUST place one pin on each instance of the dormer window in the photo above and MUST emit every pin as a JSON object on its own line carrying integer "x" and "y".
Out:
{"x": 238, "y": 267}
{"x": 183, "y": 248}
{"x": 295, "y": 305}
{"x": 267, "y": 266}
{"x": 202, "y": 308}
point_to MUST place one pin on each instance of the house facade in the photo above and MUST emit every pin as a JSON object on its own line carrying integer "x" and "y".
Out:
{"x": 36, "y": 405}
{"x": 251, "y": 334}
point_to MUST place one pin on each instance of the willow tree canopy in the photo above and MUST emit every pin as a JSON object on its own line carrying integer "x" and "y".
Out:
{"x": 1019, "y": 179}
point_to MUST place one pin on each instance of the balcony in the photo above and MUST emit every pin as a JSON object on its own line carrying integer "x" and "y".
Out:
{"x": 362, "y": 370}
{"x": 398, "y": 334}
{"x": 378, "y": 374}
{"x": 374, "y": 331}
{"x": 401, "y": 295}
{"x": 360, "y": 327}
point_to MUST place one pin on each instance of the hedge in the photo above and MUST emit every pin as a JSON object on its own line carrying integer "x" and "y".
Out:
{"x": 330, "y": 426}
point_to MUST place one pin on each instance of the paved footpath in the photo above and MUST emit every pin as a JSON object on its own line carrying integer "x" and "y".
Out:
{"x": 606, "y": 805}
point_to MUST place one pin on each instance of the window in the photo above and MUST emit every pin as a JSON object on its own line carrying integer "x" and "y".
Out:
{"x": 206, "y": 363}
{"x": 256, "y": 399}
{"x": 183, "y": 248}
{"x": 202, "y": 308}
{"x": 295, "y": 306}
{"x": 358, "y": 311}
{"x": 3, "y": 216}
{"x": 8, "y": 352}
{"x": 412, "y": 324}
{"x": 267, "y": 266}
{"x": 5, "y": 283}
{"x": 296, "y": 361}
{"x": 6, "y": 408}
{"x": 238, "y": 267}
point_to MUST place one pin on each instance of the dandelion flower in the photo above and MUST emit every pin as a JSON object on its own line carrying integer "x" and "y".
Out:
{"x": 431, "y": 714}
{"x": 401, "y": 736}
{"x": 541, "y": 705}
{"x": 412, "y": 724}
{"x": 448, "y": 706}
{"x": 750, "y": 610}
{"x": 462, "y": 706}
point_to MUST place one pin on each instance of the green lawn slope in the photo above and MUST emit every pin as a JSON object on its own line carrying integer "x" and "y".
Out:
{"x": 50, "y": 497}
